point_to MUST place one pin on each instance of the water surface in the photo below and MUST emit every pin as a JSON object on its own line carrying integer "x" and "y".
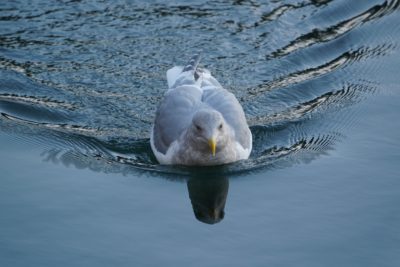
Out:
{"x": 79, "y": 85}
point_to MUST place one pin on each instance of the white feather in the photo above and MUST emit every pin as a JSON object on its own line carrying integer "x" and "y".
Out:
{"x": 162, "y": 158}
{"x": 173, "y": 74}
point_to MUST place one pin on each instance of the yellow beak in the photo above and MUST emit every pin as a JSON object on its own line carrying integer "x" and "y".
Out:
{"x": 213, "y": 145}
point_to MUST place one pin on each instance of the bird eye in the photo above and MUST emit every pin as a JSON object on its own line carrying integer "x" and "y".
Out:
{"x": 220, "y": 126}
{"x": 198, "y": 128}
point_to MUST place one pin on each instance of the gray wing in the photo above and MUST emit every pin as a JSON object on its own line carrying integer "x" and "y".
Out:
{"x": 174, "y": 115}
{"x": 227, "y": 104}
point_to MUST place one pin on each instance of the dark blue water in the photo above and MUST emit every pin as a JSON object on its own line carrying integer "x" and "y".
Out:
{"x": 318, "y": 80}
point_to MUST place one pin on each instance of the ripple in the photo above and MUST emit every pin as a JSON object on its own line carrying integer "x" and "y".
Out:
{"x": 61, "y": 127}
{"x": 347, "y": 96}
{"x": 276, "y": 13}
{"x": 80, "y": 147}
{"x": 44, "y": 101}
{"x": 303, "y": 151}
{"x": 84, "y": 82}
{"x": 335, "y": 31}
{"x": 303, "y": 75}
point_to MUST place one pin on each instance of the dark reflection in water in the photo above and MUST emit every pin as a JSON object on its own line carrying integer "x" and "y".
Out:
{"x": 208, "y": 196}
{"x": 208, "y": 190}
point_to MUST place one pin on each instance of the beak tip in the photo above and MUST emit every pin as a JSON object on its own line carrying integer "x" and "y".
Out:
{"x": 213, "y": 146}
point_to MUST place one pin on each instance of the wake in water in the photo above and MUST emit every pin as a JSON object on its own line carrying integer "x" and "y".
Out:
{"x": 90, "y": 103}
{"x": 280, "y": 139}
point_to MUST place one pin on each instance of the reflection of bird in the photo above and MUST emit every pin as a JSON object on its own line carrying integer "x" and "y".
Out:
{"x": 208, "y": 197}
{"x": 198, "y": 121}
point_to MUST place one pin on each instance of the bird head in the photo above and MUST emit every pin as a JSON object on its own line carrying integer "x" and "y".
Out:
{"x": 209, "y": 130}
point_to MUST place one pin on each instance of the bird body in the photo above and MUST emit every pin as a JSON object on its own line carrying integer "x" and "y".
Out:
{"x": 199, "y": 122}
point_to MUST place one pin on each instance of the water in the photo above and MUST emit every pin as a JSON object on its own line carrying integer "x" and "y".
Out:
{"x": 79, "y": 85}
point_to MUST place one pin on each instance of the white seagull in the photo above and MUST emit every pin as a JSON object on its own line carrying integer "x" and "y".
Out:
{"x": 199, "y": 122}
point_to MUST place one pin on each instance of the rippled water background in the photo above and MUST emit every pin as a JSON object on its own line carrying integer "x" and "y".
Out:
{"x": 79, "y": 85}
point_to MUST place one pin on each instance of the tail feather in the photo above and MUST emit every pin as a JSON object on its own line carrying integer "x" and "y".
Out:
{"x": 192, "y": 64}
{"x": 186, "y": 75}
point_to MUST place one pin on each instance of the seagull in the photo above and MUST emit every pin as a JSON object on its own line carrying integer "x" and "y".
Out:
{"x": 198, "y": 122}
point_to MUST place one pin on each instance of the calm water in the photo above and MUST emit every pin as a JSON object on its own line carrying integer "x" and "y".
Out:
{"x": 318, "y": 80}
